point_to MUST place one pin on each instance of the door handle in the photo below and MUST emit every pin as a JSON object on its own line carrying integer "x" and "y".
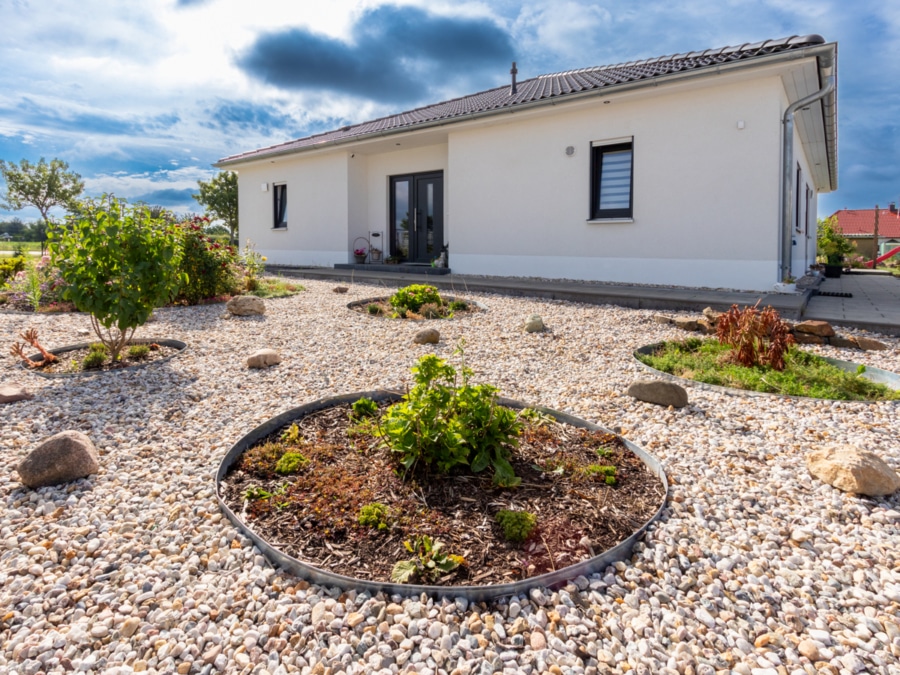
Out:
{"x": 415, "y": 220}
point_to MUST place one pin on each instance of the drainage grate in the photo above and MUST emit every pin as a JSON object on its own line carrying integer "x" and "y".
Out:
{"x": 835, "y": 294}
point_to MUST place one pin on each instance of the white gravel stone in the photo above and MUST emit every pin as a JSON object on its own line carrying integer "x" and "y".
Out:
{"x": 750, "y": 549}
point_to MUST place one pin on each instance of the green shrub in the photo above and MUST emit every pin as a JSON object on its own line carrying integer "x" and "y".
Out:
{"x": 374, "y": 309}
{"x": 93, "y": 360}
{"x": 138, "y": 352}
{"x": 10, "y": 266}
{"x": 517, "y": 525}
{"x": 364, "y": 407}
{"x": 439, "y": 425}
{"x": 374, "y": 515}
{"x": 211, "y": 267}
{"x": 290, "y": 462}
{"x": 119, "y": 263}
{"x": 411, "y": 298}
{"x": 459, "y": 306}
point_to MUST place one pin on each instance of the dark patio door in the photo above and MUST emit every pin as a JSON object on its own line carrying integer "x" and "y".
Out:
{"x": 417, "y": 216}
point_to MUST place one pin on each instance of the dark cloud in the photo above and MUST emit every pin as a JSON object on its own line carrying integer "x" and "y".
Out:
{"x": 166, "y": 197}
{"x": 59, "y": 119}
{"x": 245, "y": 116}
{"x": 395, "y": 55}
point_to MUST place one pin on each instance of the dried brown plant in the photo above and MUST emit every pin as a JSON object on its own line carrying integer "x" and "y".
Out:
{"x": 31, "y": 337}
{"x": 756, "y": 337}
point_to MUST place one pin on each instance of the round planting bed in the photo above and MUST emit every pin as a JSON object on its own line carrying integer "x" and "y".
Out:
{"x": 174, "y": 347}
{"x": 318, "y": 575}
{"x": 871, "y": 373}
{"x": 362, "y": 305}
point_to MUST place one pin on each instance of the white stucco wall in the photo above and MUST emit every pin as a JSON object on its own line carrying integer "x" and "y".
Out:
{"x": 705, "y": 192}
{"x": 317, "y": 186}
{"x": 707, "y": 184}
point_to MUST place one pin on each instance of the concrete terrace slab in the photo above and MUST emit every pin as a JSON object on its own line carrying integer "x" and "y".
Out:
{"x": 874, "y": 305}
{"x": 636, "y": 297}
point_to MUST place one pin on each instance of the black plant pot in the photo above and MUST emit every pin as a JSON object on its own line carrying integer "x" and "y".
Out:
{"x": 833, "y": 271}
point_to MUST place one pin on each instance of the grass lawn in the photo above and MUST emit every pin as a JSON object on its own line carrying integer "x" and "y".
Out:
{"x": 7, "y": 247}
{"x": 805, "y": 374}
{"x": 276, "y": 287}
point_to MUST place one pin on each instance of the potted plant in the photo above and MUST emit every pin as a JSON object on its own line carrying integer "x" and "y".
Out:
{"x": 787, "y": 285}
{"x": 833, "y": 246}
{"x": 359, "y": 254}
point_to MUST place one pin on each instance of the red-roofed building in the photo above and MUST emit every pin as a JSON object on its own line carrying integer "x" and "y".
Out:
{"x": 858, "y": 225}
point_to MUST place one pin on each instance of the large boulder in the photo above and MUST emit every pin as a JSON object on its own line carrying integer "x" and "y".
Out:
{"x": 427, "y": 336}
{"x": 534, "y": 324}
{"x": 820, "y": 328}
{"x": 263, "y": 358}
{"x": 870, "y": 344}
{"x": 853, "y": 470}
{"x": 685, "y": 323}
{"x": 12, "y": 392}
{"x": 659, "y": 392}
{"x": 246, "y": 305}
{"x": 62, "y": 458}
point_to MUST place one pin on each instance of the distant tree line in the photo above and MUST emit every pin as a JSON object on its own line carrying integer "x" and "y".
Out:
{"x": 19, "y": 231}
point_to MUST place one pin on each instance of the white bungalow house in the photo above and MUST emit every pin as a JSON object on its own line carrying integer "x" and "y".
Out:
{"x": 698, "y": 169}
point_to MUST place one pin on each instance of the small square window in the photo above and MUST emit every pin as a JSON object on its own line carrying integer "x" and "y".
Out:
{"x": 611, "y": 181}
{"x": 280, "y": 206}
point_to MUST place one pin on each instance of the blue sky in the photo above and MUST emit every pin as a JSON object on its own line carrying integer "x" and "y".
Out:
{"x": 141, "y": 97}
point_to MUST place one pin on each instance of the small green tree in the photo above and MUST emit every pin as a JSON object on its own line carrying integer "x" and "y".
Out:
{"x": 120, "y": 263}
{"x": 42, "y": 185}
{"x": 219, "y": 196}
{"x": 831, "y": 242}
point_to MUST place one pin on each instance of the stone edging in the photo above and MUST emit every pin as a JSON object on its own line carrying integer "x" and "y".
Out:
{"x": 474, "y": 593}
{"x": 174, "y": 344}
{"x": 871, "y": 373}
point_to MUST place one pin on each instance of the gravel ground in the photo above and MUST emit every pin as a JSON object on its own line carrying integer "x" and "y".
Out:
{"x": 754, "y": 567}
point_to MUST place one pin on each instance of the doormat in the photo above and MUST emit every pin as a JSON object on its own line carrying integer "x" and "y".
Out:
{"x": 835, "y": 294}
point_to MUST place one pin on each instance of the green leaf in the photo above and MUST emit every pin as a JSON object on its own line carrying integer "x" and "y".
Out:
{"x": 404, "y": 571}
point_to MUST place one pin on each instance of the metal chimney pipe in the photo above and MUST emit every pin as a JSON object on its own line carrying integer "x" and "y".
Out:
{"x": 513, "y": 71}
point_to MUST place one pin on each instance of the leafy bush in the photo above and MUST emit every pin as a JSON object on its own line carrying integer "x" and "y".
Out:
{"x": 290, "y": 462}
{"x": 755, "y": 337}
{"x": 93, "y": 360}
{"x": 364, "y": 407}
{"x": 831, "y": 242}
{"x": 374, "y": 515}
{"x": 439, "y": 425}
{"x": 9, "y": 267}
{"x": 411, "y": 298}
{"x": 120, "y": 263}
{"x": 211, "y": 267}
{"x": 517, "y": 525}
{"x": 138, "y": 352}
{"x": 253, "y": 264}
{"x": 374, "y": 309}
{"x": 459, "y": 305}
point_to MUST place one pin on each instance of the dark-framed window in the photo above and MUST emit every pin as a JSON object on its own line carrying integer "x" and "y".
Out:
{"x": 279, "y": 202}
{"x": 612, "y": 180}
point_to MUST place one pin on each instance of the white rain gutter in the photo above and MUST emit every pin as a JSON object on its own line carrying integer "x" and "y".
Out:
{"x": 826, "y": 68}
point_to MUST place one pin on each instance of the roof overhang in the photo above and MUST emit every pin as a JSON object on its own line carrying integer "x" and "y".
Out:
{"x": 817, "y": 126}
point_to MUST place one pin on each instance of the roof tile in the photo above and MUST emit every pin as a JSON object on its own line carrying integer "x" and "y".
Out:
{"x": 540, "y": 88}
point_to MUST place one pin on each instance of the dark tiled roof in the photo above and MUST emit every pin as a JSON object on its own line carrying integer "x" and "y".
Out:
{"x": 540, "y": 88}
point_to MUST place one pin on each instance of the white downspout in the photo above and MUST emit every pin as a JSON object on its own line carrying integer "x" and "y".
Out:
{"x": 787, "y": 169}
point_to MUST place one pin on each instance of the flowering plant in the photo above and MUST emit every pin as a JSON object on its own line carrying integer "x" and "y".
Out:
{"x": 211, "y": 267}
{"x": 359, "y": 251}
{"x": 39, "y": 284}
{"x": 253, "y": 264}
